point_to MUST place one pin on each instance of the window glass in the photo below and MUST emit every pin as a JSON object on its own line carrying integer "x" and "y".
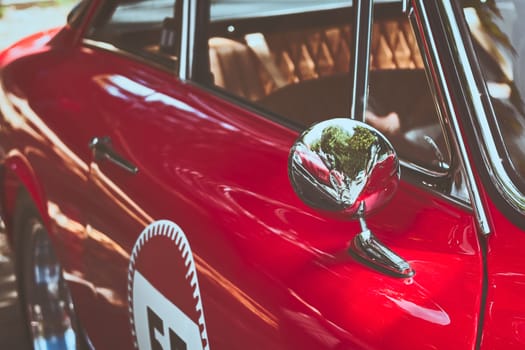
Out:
{"x": 292, "y": 58}
{"x": 148, "y": 28}
{"x": 497, "y": 29}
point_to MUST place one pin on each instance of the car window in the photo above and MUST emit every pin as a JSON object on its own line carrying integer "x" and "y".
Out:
{"x": 497, "y": 29}
{"x": 292, "y": 59}
{"x": 147, "y": 28}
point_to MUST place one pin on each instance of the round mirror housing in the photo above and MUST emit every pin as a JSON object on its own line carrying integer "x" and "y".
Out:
{"x": 342, "y": 165}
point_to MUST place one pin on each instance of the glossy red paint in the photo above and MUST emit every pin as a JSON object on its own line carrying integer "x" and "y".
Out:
{"x": 504, "y": 326}
{"x": 31, "y": 44}
{"x": 273, "y": 273}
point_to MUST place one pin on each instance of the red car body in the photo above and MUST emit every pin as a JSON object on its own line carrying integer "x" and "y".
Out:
{"x": 273, "y": 273}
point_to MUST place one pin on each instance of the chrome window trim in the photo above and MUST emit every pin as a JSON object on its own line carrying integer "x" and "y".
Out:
{"x": 102, "y": 45}
{"x": 464, "y": 158}
{"x": 420, "y": 169}
{"x": 456, "y": 201}
{"x": 437, "y": 107}
{"x": 360, "y": 68}
{"x": 189, "y": 18}
{"x": 491, "y": 157}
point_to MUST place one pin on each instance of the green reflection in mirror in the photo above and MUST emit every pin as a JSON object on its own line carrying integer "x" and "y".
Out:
{"x": 351, "y": 152}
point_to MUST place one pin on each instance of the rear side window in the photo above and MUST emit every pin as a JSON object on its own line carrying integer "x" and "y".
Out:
{"x": 146, "y": 28}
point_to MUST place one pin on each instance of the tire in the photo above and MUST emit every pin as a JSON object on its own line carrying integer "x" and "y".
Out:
{"x": 45, "y": 298}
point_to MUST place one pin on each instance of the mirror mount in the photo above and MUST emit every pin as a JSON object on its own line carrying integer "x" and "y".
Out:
{"x": 367, "y": 249}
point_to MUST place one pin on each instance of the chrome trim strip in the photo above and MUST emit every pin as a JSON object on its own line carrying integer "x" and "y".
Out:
{"x": 189, "y": 17}
{"x": 447, "y": 197}
{"x": 191, "y": 38}
{"x": 404, "y": 6}
{"x": 422, "y": 170}
{"x": 499, "y": 175}
{"x": 442, "y": 117}
{"x": 90, "y": 43}
{"x": 464, "y": 159}
{"x": 103, "y": 45}
{"x": 184, "y": 54}
{"x": 362, "y": 38}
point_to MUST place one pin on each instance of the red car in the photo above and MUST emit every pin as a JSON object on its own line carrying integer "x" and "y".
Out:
{"x": 144, "y": 171}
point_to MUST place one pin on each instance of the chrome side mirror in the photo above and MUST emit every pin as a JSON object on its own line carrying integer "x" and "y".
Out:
{"x": 349, "y": 169}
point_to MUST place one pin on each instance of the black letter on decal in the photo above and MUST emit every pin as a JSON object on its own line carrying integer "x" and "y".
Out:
{"x": 176, "y": 343}
{"x": 154, "y": 323}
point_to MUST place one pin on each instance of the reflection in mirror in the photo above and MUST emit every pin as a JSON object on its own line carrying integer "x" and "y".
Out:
{"x": 339, "y": 163}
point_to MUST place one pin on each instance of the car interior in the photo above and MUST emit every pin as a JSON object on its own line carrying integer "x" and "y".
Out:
{"x": 296, "y": 65}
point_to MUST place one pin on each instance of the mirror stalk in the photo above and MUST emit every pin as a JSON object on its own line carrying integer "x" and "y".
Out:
{"x": 369, "y": 250}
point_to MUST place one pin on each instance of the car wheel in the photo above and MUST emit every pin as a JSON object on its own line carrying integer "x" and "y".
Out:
{"x": 45, "y": 297}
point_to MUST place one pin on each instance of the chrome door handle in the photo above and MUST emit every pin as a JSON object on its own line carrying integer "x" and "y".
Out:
{"x": 102, "y": 149}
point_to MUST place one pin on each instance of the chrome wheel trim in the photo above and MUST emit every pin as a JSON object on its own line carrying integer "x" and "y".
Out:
{"x": 49, "y": 306}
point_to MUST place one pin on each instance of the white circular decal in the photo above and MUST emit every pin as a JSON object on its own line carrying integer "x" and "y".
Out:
{"x": 163, "y": 291}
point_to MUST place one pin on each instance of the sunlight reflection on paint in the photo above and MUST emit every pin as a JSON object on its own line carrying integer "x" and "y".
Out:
{"x": 437, "y": 316}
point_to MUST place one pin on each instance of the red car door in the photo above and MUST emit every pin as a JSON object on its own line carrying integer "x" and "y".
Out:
{"x": 256, "y": 268}
{"x": 266, "y": 264}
